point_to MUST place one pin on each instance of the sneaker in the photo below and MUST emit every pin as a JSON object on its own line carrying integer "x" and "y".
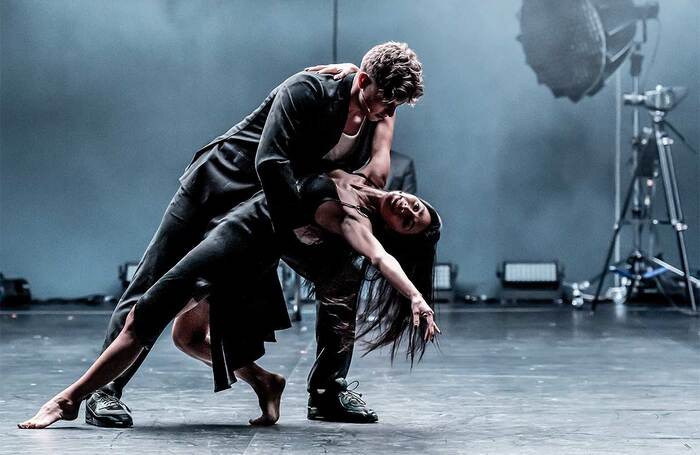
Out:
{"x": 340, "y": 404}
{"x": 105, "y": 410}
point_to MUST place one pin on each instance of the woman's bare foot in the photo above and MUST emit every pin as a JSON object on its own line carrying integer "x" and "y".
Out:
{"x": 269, "y": 389}
{"x": 57, "y": 408}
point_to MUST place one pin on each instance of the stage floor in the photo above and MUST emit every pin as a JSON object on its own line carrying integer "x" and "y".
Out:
{"x": 523, "y": 380}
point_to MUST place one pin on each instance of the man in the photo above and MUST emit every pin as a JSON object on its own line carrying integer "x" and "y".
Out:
{"x": 294, "y": 132}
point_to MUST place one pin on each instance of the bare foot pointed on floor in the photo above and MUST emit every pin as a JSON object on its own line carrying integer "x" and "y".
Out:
{"x": 57, "y": 408}
{"x": 269, "y": 391}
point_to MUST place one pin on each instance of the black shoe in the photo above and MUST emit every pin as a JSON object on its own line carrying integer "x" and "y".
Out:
{"x": 339, "y": 404}
{"x": 105, "y": 410}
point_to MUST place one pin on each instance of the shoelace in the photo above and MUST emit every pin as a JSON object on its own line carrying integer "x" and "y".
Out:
{"x": 354, "y": 397}
{"x": 109, "y": 401}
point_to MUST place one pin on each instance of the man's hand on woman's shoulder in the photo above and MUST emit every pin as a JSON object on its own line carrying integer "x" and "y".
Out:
{"x": 338, "y": 70}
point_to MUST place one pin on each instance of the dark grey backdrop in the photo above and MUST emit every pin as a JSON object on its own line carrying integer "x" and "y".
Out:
{"x": 103, "y": 104}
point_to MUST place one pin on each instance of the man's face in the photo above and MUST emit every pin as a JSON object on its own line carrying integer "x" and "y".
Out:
{"x": 372, "y": 102}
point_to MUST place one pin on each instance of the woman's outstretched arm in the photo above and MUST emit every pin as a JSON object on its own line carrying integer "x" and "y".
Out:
{"x": 362, "y": 240}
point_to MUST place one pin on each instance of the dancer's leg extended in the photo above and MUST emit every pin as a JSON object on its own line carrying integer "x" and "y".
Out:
{"x": 110, "y": 364}
{"x": 191, "y": 335}
{"x": 156, "y": 308}
{"x": 228, "y": 250}
{"x": 181, "y": 228}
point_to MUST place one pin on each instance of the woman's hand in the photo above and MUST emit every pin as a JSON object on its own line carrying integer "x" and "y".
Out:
{"x": 339, "y": 70}
{"x": 420, "y": 309}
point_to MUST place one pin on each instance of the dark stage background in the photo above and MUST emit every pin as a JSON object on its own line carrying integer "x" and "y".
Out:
{"x": 103, "y": 104}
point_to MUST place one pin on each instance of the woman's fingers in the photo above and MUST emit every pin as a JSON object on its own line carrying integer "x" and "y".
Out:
{"x": 428, "y": 326}
{"x": 338, "y": 71}
{"x": 341, "y": 74}
{"x": 429, "y": 331}
{"x": 328, "y": 69}
{"x": 315, "y": 68}
{"x": 431, "y": 328}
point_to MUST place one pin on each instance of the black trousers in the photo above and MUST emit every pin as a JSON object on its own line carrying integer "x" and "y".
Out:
{"x": 335, "y": 326}
{"x": 195, "y": 241}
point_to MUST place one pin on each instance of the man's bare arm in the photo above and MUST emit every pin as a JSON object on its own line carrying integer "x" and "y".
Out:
{"x": 377, "y": 169}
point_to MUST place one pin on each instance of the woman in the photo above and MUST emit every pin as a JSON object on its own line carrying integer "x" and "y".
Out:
{"x": 340, "y": 204}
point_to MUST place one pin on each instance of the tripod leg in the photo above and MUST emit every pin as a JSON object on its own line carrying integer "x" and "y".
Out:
{"x": 611, "y": 247}
{"x": 675, "y": 270}
{"x": 673, "y": 205}
{"x": 686, "y": 270}
{"x": 662, "y": 290}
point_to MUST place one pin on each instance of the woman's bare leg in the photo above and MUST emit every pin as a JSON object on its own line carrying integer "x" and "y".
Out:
{"x": 191, "y": 336}
{"x": 191, "y": 332}
{"x": 110, "y": 364}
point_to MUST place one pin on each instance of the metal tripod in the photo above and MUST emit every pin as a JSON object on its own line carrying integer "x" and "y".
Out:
{"x": 657, "y": 146}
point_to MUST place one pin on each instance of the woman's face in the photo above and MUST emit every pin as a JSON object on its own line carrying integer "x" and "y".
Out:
{"x": 404, "y": 213}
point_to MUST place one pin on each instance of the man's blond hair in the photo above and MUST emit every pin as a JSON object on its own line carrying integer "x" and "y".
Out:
{"x": 395, "y": 68}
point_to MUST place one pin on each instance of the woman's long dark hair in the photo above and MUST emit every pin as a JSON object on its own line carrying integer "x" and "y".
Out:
{"x": 386, "y": 317}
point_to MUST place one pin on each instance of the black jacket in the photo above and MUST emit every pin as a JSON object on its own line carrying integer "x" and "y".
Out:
{"x": 284, "y": 139}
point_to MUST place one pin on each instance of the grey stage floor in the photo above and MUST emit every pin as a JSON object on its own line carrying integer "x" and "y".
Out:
{"x": 540, "y": 380}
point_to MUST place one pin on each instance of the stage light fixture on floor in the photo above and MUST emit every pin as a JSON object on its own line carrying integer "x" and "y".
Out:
{"x": 14, "y": 292}
{"x": 531, "y": 280}
{"x": 444, "y": 275}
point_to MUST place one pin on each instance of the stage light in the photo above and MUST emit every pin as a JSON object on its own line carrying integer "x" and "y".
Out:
{"x": 575, "y": 45}
{"x": 14, "y": 292}
{"x": 442, "y": 278}
{"x": 532, "y": 280}
{"x": 530, "y": 273}
{"x": 443, "y": 281}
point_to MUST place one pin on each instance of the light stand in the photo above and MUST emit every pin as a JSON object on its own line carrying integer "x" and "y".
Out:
{"x": 573, "y": 46}
{"x": 653, "y": 159}
{"x": 636, "y": 61}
